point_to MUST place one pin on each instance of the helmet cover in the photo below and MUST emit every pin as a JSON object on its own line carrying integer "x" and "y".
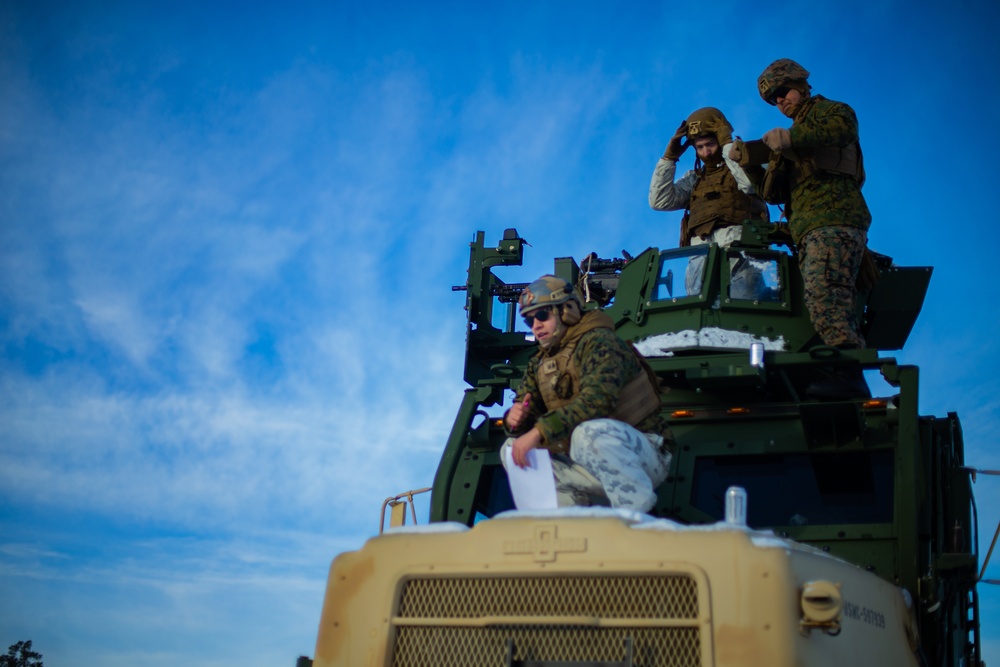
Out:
{"x": 548, "y": 290}
{"x": 781, "y": 72}
{"x": 709, "y": 121}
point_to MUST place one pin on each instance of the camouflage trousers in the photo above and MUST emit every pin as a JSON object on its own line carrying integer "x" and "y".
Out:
{"x": 830, "y": 258}
{"x": 609, "y": 462}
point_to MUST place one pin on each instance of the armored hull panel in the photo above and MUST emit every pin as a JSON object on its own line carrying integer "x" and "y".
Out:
{"x": 601, "y": 587}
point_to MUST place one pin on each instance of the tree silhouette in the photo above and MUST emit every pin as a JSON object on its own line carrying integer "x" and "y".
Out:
{"x": 21, "y": 655}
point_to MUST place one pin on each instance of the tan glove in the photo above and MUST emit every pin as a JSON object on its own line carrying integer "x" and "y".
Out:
{"x": 778, "y": 139}
{"x": 677, "y": 146}
{"x": 738, "y": 151}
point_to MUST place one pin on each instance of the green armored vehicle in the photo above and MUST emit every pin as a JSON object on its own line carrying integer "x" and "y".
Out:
{"x": 858, "y": 545}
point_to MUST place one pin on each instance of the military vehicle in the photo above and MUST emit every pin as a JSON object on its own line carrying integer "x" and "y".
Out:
{"x": 856, "y": 545}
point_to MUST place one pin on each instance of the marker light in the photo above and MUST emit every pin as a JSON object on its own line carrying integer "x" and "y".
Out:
{"x": 821, "y": 604}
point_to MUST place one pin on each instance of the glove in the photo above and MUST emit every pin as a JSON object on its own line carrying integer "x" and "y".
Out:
{"x": 778, "y": 139}
{"x": 736, "y": 151}
{"x": 677, "y": 146}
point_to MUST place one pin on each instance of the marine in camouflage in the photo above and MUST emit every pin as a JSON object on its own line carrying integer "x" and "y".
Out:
{"x": 815, "y": 197}
{"x": 605, "y": 364}
{"x": 819, "y": 178}
{"x": 825, "y": 199}
{"x": 626, "y": 460}
{"x": 830, "y": 259}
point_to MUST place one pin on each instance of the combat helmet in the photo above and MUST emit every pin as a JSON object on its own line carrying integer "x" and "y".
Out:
{"x": 548, "y": 290}
{"x": 782, "y": 72}
{"x": 709, "y": 121}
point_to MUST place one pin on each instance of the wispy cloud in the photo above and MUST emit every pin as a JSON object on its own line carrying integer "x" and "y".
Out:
{"x": 225, "y": 312}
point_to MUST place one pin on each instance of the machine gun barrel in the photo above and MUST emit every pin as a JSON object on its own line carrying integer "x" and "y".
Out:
{"x": 504, "y": 293}
{"x": 594, "y": 264}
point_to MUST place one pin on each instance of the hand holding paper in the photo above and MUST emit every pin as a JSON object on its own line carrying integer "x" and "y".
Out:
{"x": 533, "y": 487}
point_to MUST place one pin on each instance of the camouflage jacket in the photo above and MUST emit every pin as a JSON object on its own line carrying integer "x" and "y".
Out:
{"x": 605, "y": 364}
{"x": 825, "y": 199}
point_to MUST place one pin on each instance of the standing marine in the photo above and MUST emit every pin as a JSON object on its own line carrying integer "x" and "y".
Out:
{"x": 590, "y": 399}
{"x": 717, "y": 195}
{"x": 815, "y": 170}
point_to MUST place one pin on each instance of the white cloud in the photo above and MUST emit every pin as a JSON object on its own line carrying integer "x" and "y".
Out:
{"x": 148, "y": 241}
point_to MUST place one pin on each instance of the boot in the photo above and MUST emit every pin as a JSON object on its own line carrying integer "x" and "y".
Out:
{"x": 846, "y": 383}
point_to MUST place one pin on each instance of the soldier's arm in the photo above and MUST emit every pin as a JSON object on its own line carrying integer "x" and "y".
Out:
{"x": 665, "y": 194}
{"x": 828, "y": 124}
{"x": 536, "y": 406}
{"x": 743, "y": 181}
{"x": 747, "y": 153}
{"x": 603, "y": 368}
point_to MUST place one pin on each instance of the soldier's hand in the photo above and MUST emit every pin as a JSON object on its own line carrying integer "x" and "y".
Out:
{"x": 518, "y": 412}
{"x": 736, "y": 150}
{"x": 677, "y": 145}
{"x": 523, "y": 445}
{"x": 778, "y": 139}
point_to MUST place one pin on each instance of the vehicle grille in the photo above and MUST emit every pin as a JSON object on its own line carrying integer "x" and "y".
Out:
{"x": 468, "y": 621}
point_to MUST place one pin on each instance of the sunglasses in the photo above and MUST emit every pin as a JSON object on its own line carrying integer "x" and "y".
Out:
{"x": 779, "y": 92}
{"x": 542, "y": 315}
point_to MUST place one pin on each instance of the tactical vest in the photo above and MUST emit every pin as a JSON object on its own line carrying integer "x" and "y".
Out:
{"x": 794, "y": 165}
{"x": 558, "y": 377}
{"x": 716, "y": 202}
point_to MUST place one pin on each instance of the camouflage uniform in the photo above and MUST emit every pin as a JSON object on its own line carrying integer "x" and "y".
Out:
{"x": 610, "y": 462}
{"x": 822, "y": 174}
{"x": 597, "y": 459}
{"x": 830, "y": 258}
{"x": 825, "y": 199}
{"x": 829, "y": 219}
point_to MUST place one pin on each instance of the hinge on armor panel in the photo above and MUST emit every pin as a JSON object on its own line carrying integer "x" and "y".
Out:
{"x": 511, "y": 662}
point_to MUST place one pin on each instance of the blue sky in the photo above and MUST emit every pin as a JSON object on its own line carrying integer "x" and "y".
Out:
{"x": 228, "y": 234}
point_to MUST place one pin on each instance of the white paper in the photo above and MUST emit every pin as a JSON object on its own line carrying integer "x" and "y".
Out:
{"x": 534, "y": 487}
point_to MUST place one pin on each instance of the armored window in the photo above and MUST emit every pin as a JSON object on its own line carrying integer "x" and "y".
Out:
{"x": 754, "y": 277}
{"x": 800, "y": 489}
{"x": 681, "y": 273}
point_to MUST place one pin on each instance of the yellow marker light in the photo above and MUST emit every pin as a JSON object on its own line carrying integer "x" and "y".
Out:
{"x": 680, "y": 414}
{"x": 738, "y": 411}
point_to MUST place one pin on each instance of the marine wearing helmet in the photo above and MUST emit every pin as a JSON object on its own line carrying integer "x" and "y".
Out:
{"x": 591, "y": 400}
{"x": 708, "y": 122}
{"x": 548, "y": 290}
{"x": 559, "y": 298}
{"x": 718, "y": 194}
{"x": 816, "y": 170}
{"x": 782, "y": 73}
